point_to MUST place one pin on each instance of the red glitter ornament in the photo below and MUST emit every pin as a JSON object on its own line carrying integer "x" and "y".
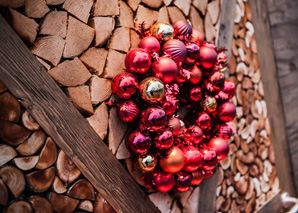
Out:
{"x": 124, "y": 85}
{"x": 151, "y": 44}
{"x": 163, "y": 181}
{"x": 182, "y": 28}
{"x": 220, "y": 146}
{"x": 208, "y": 57}
{"x": 165, "y": 69}
{"x": 209, "y": 159}
{"x": 174, "y": 162}
{"x": 153, "y": 119}
{"x": 176, "y": 49}
{"x": 176, "y": 125}
{"x": 164, "y": 140}
{"x": 204, "y": 120}
{"x": 194, "y": 134}
{"x": 138, "y": 60}
{"x": 137, "y": 143}
{"x": 226, "y": 112}
{"x": 183, "y": 181}
{"x": 197, "y": 177}
{"x": 128, "y": 111}
{"x": 197, "y": 37}
{"x": 193, "y": 53}
{"x": 195, "y": 75}
{"x": 193, "y": 158}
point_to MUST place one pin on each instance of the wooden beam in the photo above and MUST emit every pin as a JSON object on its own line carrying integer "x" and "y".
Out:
{"x": 272, "y": 205}
{"x": 272, "y": 95}
{"x": 30, "y": 83}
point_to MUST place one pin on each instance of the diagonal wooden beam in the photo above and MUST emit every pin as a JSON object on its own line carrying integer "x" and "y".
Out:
{"x": 30, "y": 83}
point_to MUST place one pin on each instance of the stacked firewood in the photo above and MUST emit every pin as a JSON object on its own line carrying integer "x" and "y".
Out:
{"x": 248, "y": 176}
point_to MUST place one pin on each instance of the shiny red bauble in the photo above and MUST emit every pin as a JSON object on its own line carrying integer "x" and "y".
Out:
{"x": 224, "y": 131}
{"x": 196, "y": 93}
{"x": 197, "y": 177}
{"x": 138, "y": 60}
{"x": 151, "y": 44}
{"x": 183, "y": 181}
{"x": 170, "y": 106}
{"x": 204, "y": 120}
{"x": 182, "y": 28}
{"x": 217, "y": 79}
{"x": 176, "y": 125}
{"x": 163, "y": 181}
{"x": 193, "y": 53}
{"x": 174, "y": 162}
{"x": 128, "y": 111}
{"x": 193, "y": 158}
{"x": 175, "y": 49}
{"x": 220, "y": 146}
{"x": 209, "y": 159}
{"x": 226, "y": 112}
{"x": 124, "y": 85}
{"x": 164, "y": 140}
{"x": 165, "y": 69}
{"x": 137, "y": 143}
{"x": 153, "y": 119}
{"x": 195, "y": 75}
{"x": 194, "y": 134}
{"x": 229, "y": 89}
{"x": 208, "y": 57}
{"x": 197, "y": 37}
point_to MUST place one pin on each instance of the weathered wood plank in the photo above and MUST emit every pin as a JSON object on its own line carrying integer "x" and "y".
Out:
{"x": 272, "y": 95}
{"x": 30, "y": 83}
{"x": 272, "y": 205}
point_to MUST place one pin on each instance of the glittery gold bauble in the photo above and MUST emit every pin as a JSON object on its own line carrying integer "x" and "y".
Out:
{"x": 147, "y": 162}
{"x": 174, "y": 162}
{"x": 152, "y": 89}
{"x": 209, "y": 104}
{"x": 162, "y": 31}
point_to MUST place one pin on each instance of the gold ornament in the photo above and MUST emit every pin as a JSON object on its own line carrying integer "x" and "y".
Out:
{"x": 174, "y": 162}
{"x": 152, "y": 89}
{"x": 162, "y": 31}
{"x": 147, "y": 162}
{"x": 209, "y": 104}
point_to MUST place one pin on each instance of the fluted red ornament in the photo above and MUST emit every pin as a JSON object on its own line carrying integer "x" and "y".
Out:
{"x": 224, "y": 131}
{"x": 204, "y": 120}
{"x": 138, "y": 60}
{"x": 124, "y": 85}
{"x": 220, "y": 146}
{"x": 194, "y": 134}
{"x": 197, "y": 37}
{"x": 153, "y": 119}
{"x": 197, "y": 177}
{"x": 151, "y": 44}
{"x": 196, "y": 93}
{"x": 170, "y": 105}
{"x": 183, "y": 181}
{"x": 176, "y": 125}
{"x": 137, "y": 143}
{"x": 226, "y": 112}
{"x": 165, "y": 69}
{"x": 163, "y": 181}
{"x": 164, "y": 140}
{"x": 217, "y": 79}
{"x": 228, "y": 90}
{"x": 147, "y": 162}
{"x": 174, "y": 162}
{"x": 175, "y": 49}
{"x": 208, "y": 57}
{"x": 195, "y": 75}
{"x": 209, "y": 159}
{"x": 182, "y": 28}
{"x": 128, "y": 111}
{"x": 193, "y": 53}
{"x": 152, "y": 90}
{"x": 193, "y": 158}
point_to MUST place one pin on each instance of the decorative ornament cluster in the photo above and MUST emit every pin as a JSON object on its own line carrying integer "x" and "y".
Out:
{"x": 175, "y": 72}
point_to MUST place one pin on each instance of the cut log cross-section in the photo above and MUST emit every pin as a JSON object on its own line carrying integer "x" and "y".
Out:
{"x": 3, "y": 194}
{"x": 19, "y": 206}
{"x": 41, "y": 180}
{"x": 54, "y": 24}
{"x": 79, "y": 8}
{"x": 48, "y": 154}
{"x": 95, "y": 59}
{"x": 86, "y": 205}
{"x": 7, "y": 153}
{"x": 99, "y": 121}
{"x": 26, "y": 163}
{"x": 82, "y": 190}
{"x": 100, "y": 84}
{"x": 32, "y": 144}
{"x": 62, "y": 203}
{"x": 36, "y": 8}
{"x": 29, "y": 122}
{"x": 58, "y": 186}
{"x": 41, "y": 205}
{"x": 10, "y": 108}
{"x": 103, "y": 27}
{"x": 12, "y": 133}
{"x": 106, "y": 8}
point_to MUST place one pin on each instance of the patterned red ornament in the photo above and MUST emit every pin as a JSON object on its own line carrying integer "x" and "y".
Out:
{"x": 197, "y": 37}
{"x": 163, "y": 181}
{"x": 128, "y": 111}
{"x": 124, "y": 85}
{"x": 194, "y": 134}
{"x": 204, "y": 120}
{"x": 176, "y": 49}
{"x": 226, "y": 112}
{"x": 164, "y": 140}
{"x": 183, "y": 181}
{"x": 153, "y": 119}
{"x": 197, "y": 177}
{"x": 174, "y": 162}
{"x": 193, "y": 53}
{"x": 151, "y": 44}
{"x": 138, "y": 60}
{"x": 220, "y": 146}
{"x": 176, "y": 125}
{"x": 137, "y": 143}
{"x": 195, "y": 75}
{"x": 209, "y": 159}
{"x": 208, "y": 57}
{"x": 182, "y": 28}
{"x": 193, "y": 158}
{"x": 165, "y": 69}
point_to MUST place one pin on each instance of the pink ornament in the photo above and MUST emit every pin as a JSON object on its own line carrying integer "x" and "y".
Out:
{"x": 153, "y": 119}
{"x": 194, "y": 134}
{"x": 193, "y": 53}
{"x": 151, "y": 44}
{"x": 128, "y": 111}
{"x": 163, "y": 181}
{"x": 183, "y": 181}
{"x": 209, "y": 159}
{"x": 195, "y": 75}
{"x": 124, "y": 85}
{"x": 164, "y": 140}
{"x": 220, "y": 146}
{"x": 138, "y": 60}
{"x": 137, "y": 143}
{"x": 176, "y": 49}
{"x": 204, "y": 120}
{"x": 226, "y": 112}
{"x": 193, "y": 158}
{"x": 165, "y": 69}
{"x": 182, "y": 28}
{"x": 197, "y": 37}
{"x": 208, "y": 57}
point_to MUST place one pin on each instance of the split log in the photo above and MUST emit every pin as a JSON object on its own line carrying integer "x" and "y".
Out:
{"x": 10, "y": 108}
{"x": 3, "y": 194}
{"x": 29, "y": 122}
{"x": 134, "y": 39}
{"x": 54, "y": 2}
{"x": 167, "y": 2}
{"x": 14, "y": 180}
{"x": 100, "y": 89}
{"x": 32, "y": 144}
{"x": 26, "y": 163}
{"x": 153, "y": 4}
{"x": 196, "y": 20}
{"x": 120, "y": 40}
{"x": 99, "y": 121}
{"x": 81, "y": 98}
{"x": 242, "y": 185}
{"x": 193, "y": 198}
{"x": 82, "y": 190}
{"x": 163, "y": 15}
{"x": 48, "y": 154}
{"x": 41, "y": 180}
{"x": 79, "y": 8}
{"x": 12, "y": 4}
{"x": 54, "y": 24}
{"x": 78, "y": 37}
{"x": 2, "y": 87}
{"x": 24, "y": 26}
{"x": 12, "y": 133}
{"x": 226, "y": 163}
{"x": 58, "y": 186}
{"x": 210, "y": 32}
{"x": 103, "y": 27}
{"x": 86, "y": 205}
{"x": 41, "y": 205}
{"x": 95, "y": 60}
{"x": 49, "y": 48}
{"x": 201, "y": 5}
{"x": 214, "y": 11}
{"x": 7, "y": 153}
{"x": 183, "y": 5}
{"x": 242, "y": 168}
{"x": 44, "y": 63}
{"x": 145, "y": 15}
{"x": 19, "y": 206}
{"x": 250, "y": 190}
{"x": 122, "y": 152}
{"x": 175, "y": 14}
{"x": 126, "y": 16}
{"x": 70, "y": 73}
{"x": 106, "y": 8}
{"x": 225, "y": 205}
{"x": 133, "y": 4}
{"x": 162, "y": 201}
{"x": 66, "y": 169}
{"x": 115, "y": 64}
{"x": 101, "y": 205}
{"x": 36, "y": 8}
{"x": 63, "y": 203}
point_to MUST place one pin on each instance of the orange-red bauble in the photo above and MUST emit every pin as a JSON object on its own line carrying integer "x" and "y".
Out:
{"x": 226, "y": 112}
{"x": 197, "y": 37}
{"x": 220, "y": 146}
{"x": 176, "y": 125}
{"x": 165, "y": 69}
{"x": 182, "y": 28}
{"x": 204, "y": 120}
{"x": 138, "y": 60}
{"x": 151, "y": 44}
{"x": 217, "y": 79}
{"x": 174, "y": 162}
{"x": 193, "y": 158}
{"x": 208, "y": 57}
{"x": 124, "y": 85}
{"x": 163, "y": 181}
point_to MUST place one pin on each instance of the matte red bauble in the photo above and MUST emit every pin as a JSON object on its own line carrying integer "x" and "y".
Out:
{"x": 147, "y": 162}
{"x": 128, "y": 111}
{"x": 124, "y": 85}
{"x": 204, "y": 120}
{"x": 209, "y": 159}
{"x": 229, "y": 89}
{"x": 176, "y": 49}
{"x": 197, "y": 178}
{"x": 196, "y": 93}
{"x": 138, "y": 60}
{"x": 194, "y": 134}
{"x": 163, "y": 181}
{"x": 226, "y": 112}
{"x": 224, "y": 131}
{"x": 137, "y": 143}
{"x": 193, "y": 158}
{"x": 195, "y": 75}
{"x": 176, "y": 125}
{"x": 153, "y": 119}
{"x": 151, "y": 44}
{"x": 193, "y": 53}
{"x": 164, "y": 140}
{"x": 217, "y": 79}
{"x": 197, "y": 37}
{"x": 174, "y": 162}
{"x": 165, "y": 69}
{"x": 220, "y": 146}
{"x": 183, "y": 181}
{"x": 182, "y": 28}
{"x": 208, "y": 57}
{"x": 152, "y": 90}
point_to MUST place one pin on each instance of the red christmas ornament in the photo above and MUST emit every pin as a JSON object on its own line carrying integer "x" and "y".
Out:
{"x": 193, "y": 158}
{"x": 151, "y": 44}
{"x": 225, "y": 131}
{"x": 220, "y": 146}
{"x": 204, "y": 120}
{"x": 195, "y": 75}
{"x": 170, "y": 105}
{"x": 165, "y": 69}
{"x": 226, "y": 112}
{"x": 182, "y": 28}
{"x": 164, "y": 140}
{"x": 163, "y": 181}
{"x": 217, "y": 79}
{"x": 183, "y": 181}
{"x": 208, "y": 57}
{"x": 176, "y": 49}
{"x": 153, "y": 119}
{"x": 174, "y": 162}
{"x": 197, "y": 177}
{"x": 197, "y": 37}
{"x": 194, "y": 134}
{"x": 228, "y": 90}
{"x": 124, "y": 85}
{"x": 196, "y": 93}
{"x": 128, "y": 111}
{"x": 138, "y": 60}
{"x": 137, "y": 143}
{"x": 209, "y": 159}
{"x": 176, "y": 125}
{"x": 207, "y": 173}
{"x": 193, "y": 53}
